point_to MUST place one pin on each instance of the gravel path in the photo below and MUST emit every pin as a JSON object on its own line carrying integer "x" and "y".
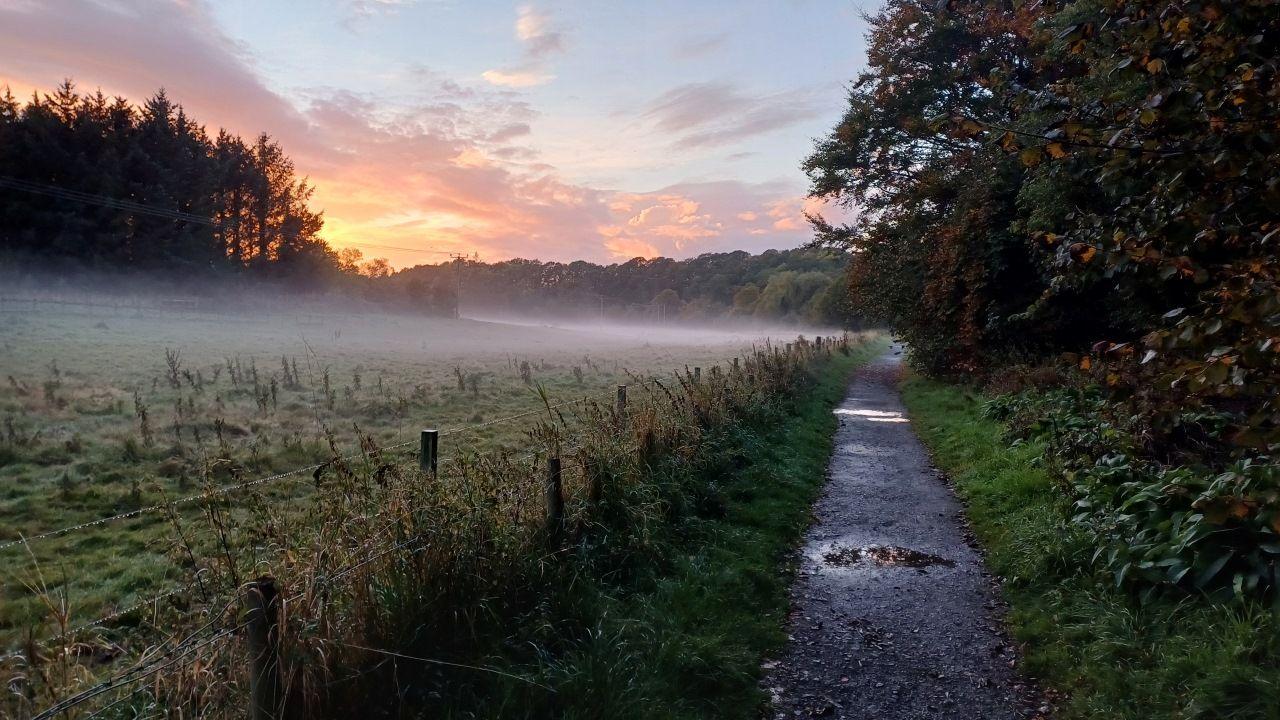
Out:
{"x": 893, "y": 615}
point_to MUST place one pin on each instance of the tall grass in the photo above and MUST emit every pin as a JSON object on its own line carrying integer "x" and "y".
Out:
{"x": 408, "y": 591}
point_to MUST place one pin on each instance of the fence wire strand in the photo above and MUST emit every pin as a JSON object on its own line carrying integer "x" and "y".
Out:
{"x": 218, "y": 492}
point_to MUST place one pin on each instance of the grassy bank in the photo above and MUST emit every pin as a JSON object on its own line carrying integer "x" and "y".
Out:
{"x": 683, "y": 634}
{"x": 1109, "y": 655}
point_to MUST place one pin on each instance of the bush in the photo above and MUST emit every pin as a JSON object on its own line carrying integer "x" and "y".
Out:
{"x": 1158, "y": 525}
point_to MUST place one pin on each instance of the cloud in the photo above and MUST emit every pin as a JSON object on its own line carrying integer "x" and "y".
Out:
{"x": 533, "y": 28}
{"x": 509, "y": 132}
{"x": 718, "y": 113}
{"x": 700, "y": 46}
{"x": 535, "y": 32}
{"x": 359, "y": 11}
{"x": 517, "y": 77}
{"x": 448, "y": 169}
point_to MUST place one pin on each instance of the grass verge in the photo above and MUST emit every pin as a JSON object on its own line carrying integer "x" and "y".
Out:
{"x": 1108, "y": 655}
{"x": 683, "y": 634}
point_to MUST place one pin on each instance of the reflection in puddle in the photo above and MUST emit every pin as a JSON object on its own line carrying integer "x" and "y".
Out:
{"x": 884, "y": 556}
{"x": 873, "y": 415}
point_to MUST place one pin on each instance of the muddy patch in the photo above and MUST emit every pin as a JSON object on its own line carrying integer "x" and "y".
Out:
{"x": 883, "y": 556}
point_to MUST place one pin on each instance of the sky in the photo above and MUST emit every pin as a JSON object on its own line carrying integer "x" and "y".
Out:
{"x": 551, "y": 129}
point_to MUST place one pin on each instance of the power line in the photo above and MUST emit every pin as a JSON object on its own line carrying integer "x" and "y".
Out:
{"x": 101, "y": 200}
{"x": 397, "y": 248}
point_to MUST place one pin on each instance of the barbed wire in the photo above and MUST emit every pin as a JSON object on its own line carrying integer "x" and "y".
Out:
{"x": 269, "y": 478}
{"x": 152, "y": 600}
{"x": 138, "y": 672}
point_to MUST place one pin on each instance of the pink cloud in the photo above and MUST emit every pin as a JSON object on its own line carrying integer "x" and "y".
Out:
{"x": 716, "y": 113}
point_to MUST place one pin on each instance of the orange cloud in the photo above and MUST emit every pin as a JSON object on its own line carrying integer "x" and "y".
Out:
{"x": 627, "y": 248}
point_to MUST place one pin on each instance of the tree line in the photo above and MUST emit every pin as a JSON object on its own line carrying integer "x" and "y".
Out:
{"x": 803, "y": 286}
{"x": 210, "y": 203}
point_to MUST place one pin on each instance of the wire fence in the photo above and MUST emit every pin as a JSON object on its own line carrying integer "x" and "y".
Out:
{"x": 227, "y": 489}
{"x": 173, "y": 652}
{"x": 153, "y": 600}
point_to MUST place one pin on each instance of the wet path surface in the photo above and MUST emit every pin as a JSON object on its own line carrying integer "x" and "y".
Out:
{"x": 893, "y": 615}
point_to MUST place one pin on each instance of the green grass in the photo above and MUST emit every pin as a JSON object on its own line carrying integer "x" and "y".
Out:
{"x": 1108, "y": 655}
{"x": 76, "y": 453}
{"x": 683, "y": 633}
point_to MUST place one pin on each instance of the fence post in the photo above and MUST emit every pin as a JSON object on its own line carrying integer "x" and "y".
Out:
{"x": 555, "y": 499}
{"x": 735, "y": 366}
{"x": 697, "y": 374}
{"x": 427, "y": 453}
{"x": 262, "y": 600}
{"x": 621, "y": 405}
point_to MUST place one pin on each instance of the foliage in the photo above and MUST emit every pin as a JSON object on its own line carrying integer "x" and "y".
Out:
{"x": 1094, "y": 183}
{"x": 1158, "y": 525}
{"x": 933, "y": 253}
{"x": 1102, "y": 651}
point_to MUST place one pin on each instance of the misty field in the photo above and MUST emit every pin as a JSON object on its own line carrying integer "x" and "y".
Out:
{"x": 108, "y": 410}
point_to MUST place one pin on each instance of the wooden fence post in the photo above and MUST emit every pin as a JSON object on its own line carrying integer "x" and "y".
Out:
{"x": 428, "y": 451}
{"x": 262, "y": 600}
{"x": 735, "y": 366}
{"x": 621, "y": 405}
{"x": 697, "y": 374}
{"x": 555, "y": 499}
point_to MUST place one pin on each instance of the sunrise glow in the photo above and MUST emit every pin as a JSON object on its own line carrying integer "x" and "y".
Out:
{"x": 504, "y": 129}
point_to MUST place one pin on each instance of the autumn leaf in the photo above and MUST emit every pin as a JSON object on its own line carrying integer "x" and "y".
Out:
{"x": 1030, "y": 157}
{"x": 1083, "y": 252}
{"x": 1055, "y": 151}
{"x": 1155, "y": 66}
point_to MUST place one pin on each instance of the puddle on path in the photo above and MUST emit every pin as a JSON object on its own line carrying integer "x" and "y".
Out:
{"x": 883, "y": 556}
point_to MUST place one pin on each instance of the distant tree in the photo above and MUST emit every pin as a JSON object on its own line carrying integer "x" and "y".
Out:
{"x": 376, "y": 269}
{"x": 745, "y": 299}
{"x": 668, "y": 302}
{"x": 444, "y": 298}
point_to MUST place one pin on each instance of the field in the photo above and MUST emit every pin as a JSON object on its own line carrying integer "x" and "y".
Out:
{"x": 111, "y": 410}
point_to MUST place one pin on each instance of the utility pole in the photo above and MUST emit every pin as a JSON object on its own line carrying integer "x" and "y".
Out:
{"x": 459, "y": 260}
